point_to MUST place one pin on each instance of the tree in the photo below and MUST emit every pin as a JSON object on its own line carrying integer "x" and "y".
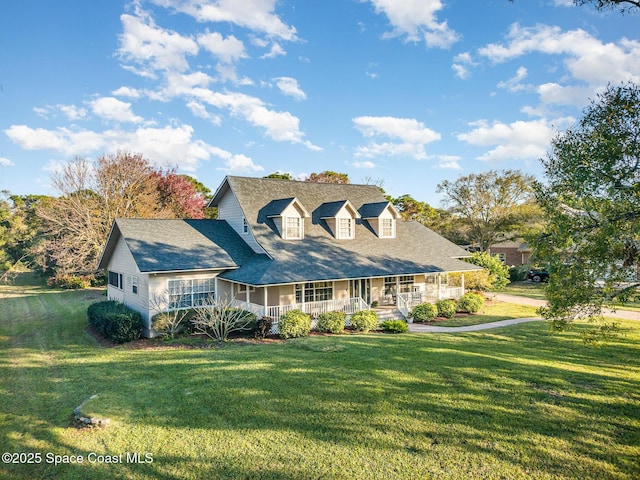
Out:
{"x": 328, "y": 177}
{"x": 492, "y": 206}
{"x": 92, "y": 195}
{"x": 592, "y": 204}
{"x": 178, "y": 194}
{"x": 498, "y": 271}
{"x": 279, "y": 176}
{"x": 623, "y": 5}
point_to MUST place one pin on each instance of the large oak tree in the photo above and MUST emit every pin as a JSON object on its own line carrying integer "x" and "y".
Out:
{"x": 592, "y": 203}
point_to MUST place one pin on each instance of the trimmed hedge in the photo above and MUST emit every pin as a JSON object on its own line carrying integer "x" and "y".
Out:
{"x": 364, "y": 320}
{"x": 115, "y": 321}
{"x": 331, "y": 322}
{"x": 394, "y": 326}
{"x": 293, "y": 324}
{"x": 470, "y": 303}
{"x": 425, "y": 312}
{"x": 446, "y": 308}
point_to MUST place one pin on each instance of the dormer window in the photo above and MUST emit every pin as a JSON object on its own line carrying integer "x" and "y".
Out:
{"x": 387, "y": 229}
{"x": 340, "y": 218}
{"x": 245, "y": 226}
{"x": 345, "y": 227}
{"x": 382, "y": 217}
{"x": 294, "y": 228}
{"x": 288, "y": 216}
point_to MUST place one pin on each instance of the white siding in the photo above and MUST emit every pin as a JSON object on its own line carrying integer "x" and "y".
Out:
{"x": 122, "y": 262}
{"x": 229, "y": 210}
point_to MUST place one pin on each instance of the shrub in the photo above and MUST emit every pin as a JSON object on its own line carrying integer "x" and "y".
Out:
{"x": 519, "y": 272}
{"x": 294, "y": 324}
{"x": 424, "y": 312}
{"x": 331, "y": 322}
{"x": 219, "y": 321}
{"x": 498, "y": 271}
{"x": 364, "y": 320}
{"x": 263, "y": 327}
{"x": 471, "y": 303}
{"x": 394, "y": 326}
{"x": 446, "y": 308}
{"x": 69, "y": 282}
{"x": 115, "y": 321}
{"x": 172, "y": 322}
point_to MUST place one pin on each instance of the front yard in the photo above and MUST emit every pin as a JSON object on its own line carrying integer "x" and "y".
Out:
{"x": 509, "y": 403}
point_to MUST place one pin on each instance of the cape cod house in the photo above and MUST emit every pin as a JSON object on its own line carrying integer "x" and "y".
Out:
{"x": 279, "y": 245}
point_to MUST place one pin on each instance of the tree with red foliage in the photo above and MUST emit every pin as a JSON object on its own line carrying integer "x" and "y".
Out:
{"x": 178, "y": 194}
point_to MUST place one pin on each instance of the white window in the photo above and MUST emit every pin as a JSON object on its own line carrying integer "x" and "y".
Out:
{"x": 293, "y": 228}
{"x": 387, "y": 229}
{"x": 245, "y": 226}
{"x": 134, "y": 284}
{"x": 345, "y": 227}
{"x": 314, "y": 292}
{"x": 188, "y": 293}
{"x": 502, "y": 257}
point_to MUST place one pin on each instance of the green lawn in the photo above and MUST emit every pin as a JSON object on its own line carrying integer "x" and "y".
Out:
{"x": 490, "y": 313}
{"x": 525, "y": 289}
{"x": 512, "y": 403}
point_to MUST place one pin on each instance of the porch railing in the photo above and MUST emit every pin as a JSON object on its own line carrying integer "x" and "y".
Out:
{"x": 346, "y": 305}
{"x": 406, "y": 301}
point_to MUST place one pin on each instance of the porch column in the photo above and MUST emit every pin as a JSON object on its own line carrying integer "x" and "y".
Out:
{"x": 439, "y": 285}
{"x": 264, "y": 301}
{"x": 215, "y": 289}
{"x": 462, "y": 282}
{"x": 247, "y": 295}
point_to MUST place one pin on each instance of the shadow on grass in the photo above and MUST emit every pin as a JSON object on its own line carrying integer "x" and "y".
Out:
{"x": 518, "y": 403}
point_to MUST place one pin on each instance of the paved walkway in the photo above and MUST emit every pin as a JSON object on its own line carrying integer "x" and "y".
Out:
{"x": 503, "y": 297}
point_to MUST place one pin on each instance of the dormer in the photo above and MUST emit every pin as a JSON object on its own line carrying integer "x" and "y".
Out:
{"x": 382, "y": 217}
{"x": 288, "y": 215}
{"x": 340, "y": 217}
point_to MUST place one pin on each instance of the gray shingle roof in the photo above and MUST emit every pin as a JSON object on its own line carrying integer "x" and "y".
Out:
{"x": 179, "y": 245}
{"x": 320, "y": 256}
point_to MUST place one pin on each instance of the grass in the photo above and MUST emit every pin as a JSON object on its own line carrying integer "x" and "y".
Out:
{"x": 508, "y": 404}
{"x": 490, "y": 313}
{"x": 525, "y": 289}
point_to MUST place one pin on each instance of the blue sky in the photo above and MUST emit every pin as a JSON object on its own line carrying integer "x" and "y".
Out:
{"x": 410, "y": 92}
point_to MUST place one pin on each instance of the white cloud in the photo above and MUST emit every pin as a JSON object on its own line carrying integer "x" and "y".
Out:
{"x": 589, "y": 62}
{"x": 61, "y": 139}
{"x": 163, "y": 146}
{"x": 236, "y": 163}
{"x": 111, "y": 108}
{"x": 514, "y": 83}
{"x": 153, "y": 48}
{"x": 416, "y": 19}
{"x": 289, "y": 86}
{"x": 365, "y": 164}
{"x": 448, "y": 162}
{"x": 257, "y": 15}
{"x": 461, "y": 65}
{"x": 71, "y": 112}
{"x": 127, "y": 92}
{"x": 228, "y": 50}
{"x": 5, "y": 162}
{"x": 412, "y": 136}
{"x": 200, "y": 111}
{"x": 517, "y": 140}
{"x": 275, "y": 51}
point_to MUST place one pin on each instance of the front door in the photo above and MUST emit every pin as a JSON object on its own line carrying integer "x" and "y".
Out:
{"x": 361, "y": 288}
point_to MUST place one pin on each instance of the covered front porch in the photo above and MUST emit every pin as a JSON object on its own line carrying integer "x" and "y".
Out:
{"x": 349, "y": 296}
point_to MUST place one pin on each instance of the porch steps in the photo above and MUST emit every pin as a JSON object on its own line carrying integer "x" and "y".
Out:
{"x": 388, "y": 313}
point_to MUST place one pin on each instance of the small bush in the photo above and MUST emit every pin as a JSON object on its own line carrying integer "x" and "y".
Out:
{"x": 519, "y": 272}
{"x": 394, "y": 326}
{"x": 364, "y": 320}
{"x": 470, "y": 303}
{"x": 446, "y": 308}
{"x": 425, "y": 312}
{"x": 331, "y": 322}
{"x": 294, "y": 324}
{"x": 115, "y": 321}
{"x": 70, "y": 282}
{"x": 263, "y": 327}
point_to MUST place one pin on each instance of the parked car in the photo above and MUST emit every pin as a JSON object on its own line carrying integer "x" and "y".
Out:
{"x": 539, "y": 275}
